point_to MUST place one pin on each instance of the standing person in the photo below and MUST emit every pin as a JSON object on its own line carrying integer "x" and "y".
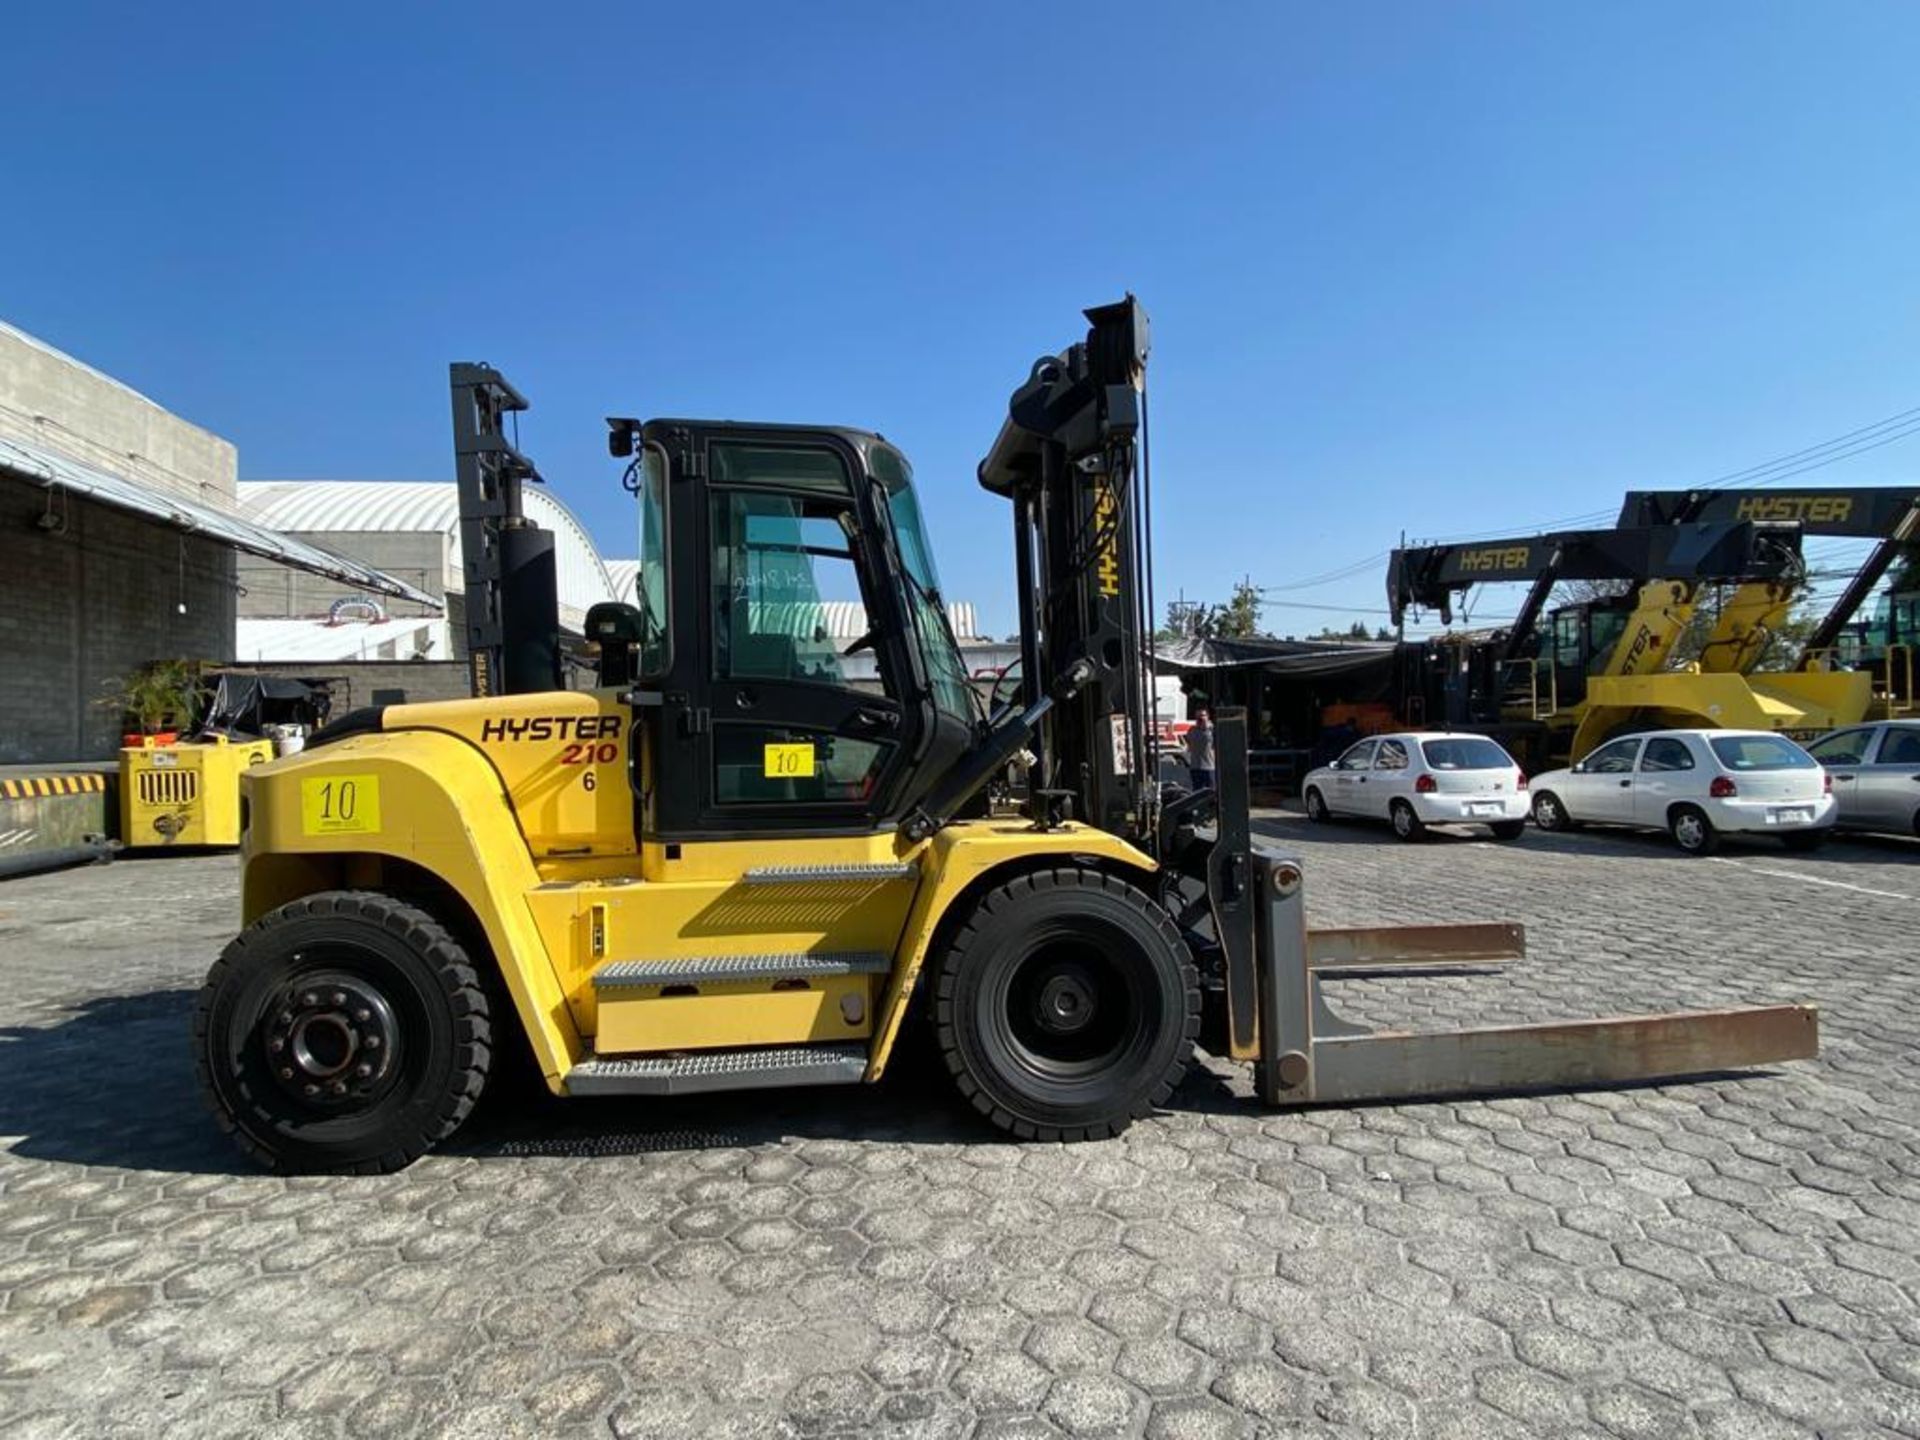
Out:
{"x": 1200, "y": 751}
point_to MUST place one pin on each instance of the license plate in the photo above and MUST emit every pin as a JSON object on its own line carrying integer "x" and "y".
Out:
{"x": 1485, "y": 808}
{"x": 1789, "y": 816}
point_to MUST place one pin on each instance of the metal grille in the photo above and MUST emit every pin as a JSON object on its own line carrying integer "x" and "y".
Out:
{"x": 169, "y": 787}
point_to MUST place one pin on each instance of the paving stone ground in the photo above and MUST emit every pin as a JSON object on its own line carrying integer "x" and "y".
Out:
{"x": 1738, "y": 1257}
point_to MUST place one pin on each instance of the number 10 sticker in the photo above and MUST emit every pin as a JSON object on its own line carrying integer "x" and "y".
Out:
{"x": 340, "y": 805}
{"x": 789, "y": 762}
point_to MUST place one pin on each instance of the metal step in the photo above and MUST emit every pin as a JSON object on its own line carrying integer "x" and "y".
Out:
{"x": 827, "y": 874}
{"x": 769, "y": 1069}
{"x": 632, "y": 974}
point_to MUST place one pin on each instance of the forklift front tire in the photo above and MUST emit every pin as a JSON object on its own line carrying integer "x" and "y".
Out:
{"x": 1066, "y": 1006}
{"x": 344, "y": 1032}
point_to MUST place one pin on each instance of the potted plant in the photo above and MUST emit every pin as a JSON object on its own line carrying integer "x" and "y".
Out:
{"x": 159, "y": 697}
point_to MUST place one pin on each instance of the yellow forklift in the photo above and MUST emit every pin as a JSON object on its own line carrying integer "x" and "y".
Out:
{"x": 729, "y": 867}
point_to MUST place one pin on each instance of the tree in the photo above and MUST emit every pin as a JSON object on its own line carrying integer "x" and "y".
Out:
{"x": 1238, "y": 619}
{"x": 1241, "y": 618}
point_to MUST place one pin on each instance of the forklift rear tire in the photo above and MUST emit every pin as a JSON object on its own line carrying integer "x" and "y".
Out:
{"x": 1066, "y": 1005}
{"x": 344, "y": 1032}
{"x": 1406, "y": 824}
{"x": 1316, "y": 806}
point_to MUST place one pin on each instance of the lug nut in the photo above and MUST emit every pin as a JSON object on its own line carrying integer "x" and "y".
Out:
{"x": 338, "y": 998}
{"x": 339, "y": 1087}
{"x": 364, "y": 1071}
{"x": 363, "y": 1015}
{"x": 286, "y": 1074}
{"x": 277, "y": 1045}
{"x": 373, "y": 1042}
{"x": 313, "y": 1089}
{"x": 309, "y": 999}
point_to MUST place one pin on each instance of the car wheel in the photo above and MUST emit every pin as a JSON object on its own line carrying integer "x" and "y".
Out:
{"x": 1066, "y": 1006}
{"x": 347, "y": 1031}
{"x": 1804, "y": 839}
{"x": 1406, "y": 824}
{"x": 1316, "y": 807}
{"x": 1692, "y": 831}
{"x": 1508, "y": 829}
{"x": 1549, "y": 813}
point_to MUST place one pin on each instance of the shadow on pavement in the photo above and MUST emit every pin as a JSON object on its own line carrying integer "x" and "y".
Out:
{"x": 111, "y": 1083}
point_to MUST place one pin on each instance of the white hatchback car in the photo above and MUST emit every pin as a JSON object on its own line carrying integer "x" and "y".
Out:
{"x": 1696, "y": 785}
{"x": 1421, "y": 779}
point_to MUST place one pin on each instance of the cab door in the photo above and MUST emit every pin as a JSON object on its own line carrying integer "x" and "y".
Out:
{"x": 775, "y": 720}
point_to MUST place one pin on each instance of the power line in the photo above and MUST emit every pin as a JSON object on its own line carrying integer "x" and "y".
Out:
{"x": 1737, "y": 476}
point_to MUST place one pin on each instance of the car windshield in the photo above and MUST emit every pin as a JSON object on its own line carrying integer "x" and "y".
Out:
{"x": 939, "y": 650}
{"x": 1760, "y": 752}
{"x": 1465, "y": 754}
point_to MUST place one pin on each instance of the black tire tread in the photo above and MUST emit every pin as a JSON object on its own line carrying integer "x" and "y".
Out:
{"x": 1010, "y": 895}
{"x": 460, "y": 984}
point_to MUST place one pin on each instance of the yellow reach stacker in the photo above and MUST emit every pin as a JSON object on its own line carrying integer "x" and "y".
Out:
{"x": 729, "y": 867}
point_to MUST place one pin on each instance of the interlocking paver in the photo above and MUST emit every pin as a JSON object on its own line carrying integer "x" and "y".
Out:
{"x": 1728, "y": 1256}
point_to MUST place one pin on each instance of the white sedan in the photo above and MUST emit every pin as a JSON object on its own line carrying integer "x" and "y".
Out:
{"x": 1696, "y": 785}
{"x": 1421, "y": 779}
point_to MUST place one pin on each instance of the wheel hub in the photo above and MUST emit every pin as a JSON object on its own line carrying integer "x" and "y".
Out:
{"x": 1066, "y": 1004}
{"x": 331, "y": 1040}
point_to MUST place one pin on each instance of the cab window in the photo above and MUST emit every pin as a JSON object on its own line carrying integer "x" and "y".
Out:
{"x": 783, "y": 566}
{"x": 1613, "y": 759}
{"x": 1393, "y": 756}
{"x": 1667, "y": 754}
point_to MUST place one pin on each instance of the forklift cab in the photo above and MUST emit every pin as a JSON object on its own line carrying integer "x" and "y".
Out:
{"x": 1579, "y": 638}
{"x": 757, "y": 542}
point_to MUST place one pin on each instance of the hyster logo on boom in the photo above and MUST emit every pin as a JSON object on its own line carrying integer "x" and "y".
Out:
{"x": 1818, "y": 509}
{"x": 1496, "y": 557}
{"x": 552, "y": 727}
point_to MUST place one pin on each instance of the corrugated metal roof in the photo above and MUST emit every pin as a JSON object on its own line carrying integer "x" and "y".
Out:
{"x": 840, "y": 620}
{"x": 54, "y": 471}
{"x": 429, "y": 507}
{"x": 315, "y": 640}
{"x": 624, "y": 574}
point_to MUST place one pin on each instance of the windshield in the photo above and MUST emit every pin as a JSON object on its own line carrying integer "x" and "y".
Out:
{"x": 940, "y": 651}
{"x": 1760, "y": 752}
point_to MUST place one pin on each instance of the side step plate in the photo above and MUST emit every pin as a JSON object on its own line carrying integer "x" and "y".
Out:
{"x": 827, "y": 874}
{"x": 712, "y": 969}
{"x": 771, "y": 1069}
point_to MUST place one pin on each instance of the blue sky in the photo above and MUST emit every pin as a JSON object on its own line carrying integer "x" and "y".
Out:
{"x": 1439, "y": 269}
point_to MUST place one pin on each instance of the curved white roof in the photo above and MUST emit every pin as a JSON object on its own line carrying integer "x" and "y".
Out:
{"x": 625, "y": 574}
{"x": 429, "y": 507}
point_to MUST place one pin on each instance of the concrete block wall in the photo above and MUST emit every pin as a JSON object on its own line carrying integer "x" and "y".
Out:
{"x": 53, "y": 400}
{"x": 85, "y": 603}
{"x": 100, "y": 592}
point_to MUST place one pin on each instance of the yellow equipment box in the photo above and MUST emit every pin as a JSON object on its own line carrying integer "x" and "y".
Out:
{"x": 185, "y": 794}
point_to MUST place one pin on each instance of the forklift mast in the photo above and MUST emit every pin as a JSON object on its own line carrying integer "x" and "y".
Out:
{"x": 1068, "y": 456}
{"x": 512, "y": 597}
